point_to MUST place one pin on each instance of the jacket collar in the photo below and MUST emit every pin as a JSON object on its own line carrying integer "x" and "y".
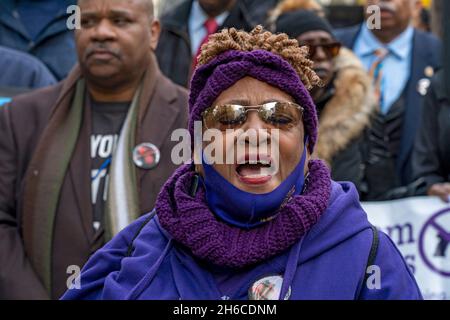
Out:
{"x": 153, "y": 71}
{"x": 152, "y": 88}
{"x": 401, "y": 46}
{"x": 157, "y": 102}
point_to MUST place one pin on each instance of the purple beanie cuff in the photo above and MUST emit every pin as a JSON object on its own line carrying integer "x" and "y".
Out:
{"x": 211, "y": 79}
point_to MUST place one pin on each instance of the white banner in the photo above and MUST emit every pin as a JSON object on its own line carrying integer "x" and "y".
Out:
{"x": 420, "y": 227}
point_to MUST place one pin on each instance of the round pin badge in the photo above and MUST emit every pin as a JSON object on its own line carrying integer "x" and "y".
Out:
{"x": 429, "y": 71}
{"x": 423, "y": 85}
{"x": 268, "y": 288}
{"x": 146, "y": 156}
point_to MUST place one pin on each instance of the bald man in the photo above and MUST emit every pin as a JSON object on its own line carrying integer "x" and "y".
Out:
{"x": 82, "y": 159}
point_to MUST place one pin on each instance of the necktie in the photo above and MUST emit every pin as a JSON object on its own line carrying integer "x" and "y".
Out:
{"x": 211, "y": 27}
{"x": 376, "y": 73}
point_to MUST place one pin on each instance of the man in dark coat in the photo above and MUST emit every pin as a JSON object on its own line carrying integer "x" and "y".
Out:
{"x": 186, "y": 27}
{"x": 80, "y": 160}
{"x": 401, "y": 61}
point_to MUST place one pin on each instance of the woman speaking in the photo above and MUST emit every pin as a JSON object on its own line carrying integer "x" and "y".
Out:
{"x": 268, "y": 225}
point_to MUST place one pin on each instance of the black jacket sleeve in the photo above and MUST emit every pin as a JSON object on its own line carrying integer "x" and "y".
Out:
{"x": 347, "y": 164}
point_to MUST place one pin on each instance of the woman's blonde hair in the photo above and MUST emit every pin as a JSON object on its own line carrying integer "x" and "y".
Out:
{"x": 260, "y": 39}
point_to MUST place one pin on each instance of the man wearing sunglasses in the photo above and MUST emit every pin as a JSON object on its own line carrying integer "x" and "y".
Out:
{"x": 344, "y": 102}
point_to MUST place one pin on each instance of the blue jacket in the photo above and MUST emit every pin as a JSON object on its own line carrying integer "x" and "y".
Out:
{"x": 328, "y": 263}
{"x": 55, "y": 46}
{"x": 427, "y": 51}
{"x": 20, "y": 70}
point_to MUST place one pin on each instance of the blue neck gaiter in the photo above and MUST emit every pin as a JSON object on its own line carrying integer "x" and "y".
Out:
{"x": 248, "y": 210}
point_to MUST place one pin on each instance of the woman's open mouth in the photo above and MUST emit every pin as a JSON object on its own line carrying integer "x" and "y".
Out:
{"x": 254, "y": 172}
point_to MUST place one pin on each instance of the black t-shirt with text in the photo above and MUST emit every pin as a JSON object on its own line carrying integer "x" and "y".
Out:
{"x": 107, "y": 121}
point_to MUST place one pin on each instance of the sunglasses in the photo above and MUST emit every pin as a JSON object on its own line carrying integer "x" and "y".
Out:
{"x": 331, "y": 49}
{"x": 280, "y": 115}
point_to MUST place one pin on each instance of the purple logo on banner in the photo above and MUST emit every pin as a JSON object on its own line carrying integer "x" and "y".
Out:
{"x": 435, "y": 234}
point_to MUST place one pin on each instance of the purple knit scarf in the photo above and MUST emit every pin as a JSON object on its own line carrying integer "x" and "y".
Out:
{"x": 190, "y": 222}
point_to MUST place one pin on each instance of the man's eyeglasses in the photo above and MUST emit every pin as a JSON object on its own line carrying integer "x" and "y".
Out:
{"x": 281, "y": 115}
{"x": 331, "y": 49}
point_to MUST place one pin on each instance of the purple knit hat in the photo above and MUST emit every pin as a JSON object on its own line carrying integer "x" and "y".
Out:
{"x": 211, "y": 79}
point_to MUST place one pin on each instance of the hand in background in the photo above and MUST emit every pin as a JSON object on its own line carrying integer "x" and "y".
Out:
{"x": 441, "y": 190}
